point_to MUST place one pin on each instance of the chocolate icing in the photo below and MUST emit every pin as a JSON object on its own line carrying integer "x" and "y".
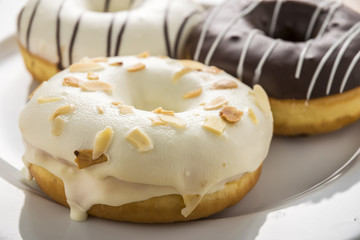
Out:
{"x": 274, "y": 52}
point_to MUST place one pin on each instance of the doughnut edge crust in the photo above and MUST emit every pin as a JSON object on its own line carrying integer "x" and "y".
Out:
{"x": 164, "y": 209}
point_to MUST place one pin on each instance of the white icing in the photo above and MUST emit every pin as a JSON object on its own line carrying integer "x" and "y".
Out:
{"x": 327, "y": 20}
{"x": 302, "y": 58}
{"x": 348, "y": 71}
{"x": 144, "y": 29}
{"x": 314, "y": 18}
{"x": 240, "y": 67}
{"x": 204, "y": 29}
{"x": 186, "y": 161}
{"x": 263, "y": 59}
{"x": 275, "y": 17}
{"x": 220, "y": 36}
{"x": 338, "y": 59}
{"x": 326, "y": 57}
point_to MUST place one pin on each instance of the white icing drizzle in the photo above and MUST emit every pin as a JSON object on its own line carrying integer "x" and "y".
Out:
{"x": 259, "y": 67}
{"x": 206, "y": 26}
{"x": 330, "y": 14}
{"x": 213, "y": 47}
{"x": 349, "y": 70}
{"x": 275, "y": 17}
{"x": 326, "y": 57}
{"x": 301, "y": 58}
{"x": 338, "y": 59}
{"x": 314, "y": 18}
{"x": 240, "y": 67}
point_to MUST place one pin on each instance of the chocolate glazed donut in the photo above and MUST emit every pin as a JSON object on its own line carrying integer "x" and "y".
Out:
{"x": 305, "y": 54}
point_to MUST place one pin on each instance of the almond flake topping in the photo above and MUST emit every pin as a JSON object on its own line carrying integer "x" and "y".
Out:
{"x": 84, "y": 158}
{"x": 99, "y": 59}
{"x": 58, "y": 126}
{"x": 216, "y": 103}
{"x": 195, "y": 66}
{"x": 140, "y": 140}
{"x": 144, "y": 54}
{"x": 214, "y": 124}
{"x": 116, "y": 64}
{"x": 231, "y": 114}
{"x": 225, "y": 84}
{"x": 136, "y": 67}
{"x": 160, "y": 110}
{"x": 62, "y": 111}
{"x": 181, "y": 73}
{"x": 96, "y": 85}
{"x": 117, "y": 103}
{"x": 252, "y": 116}
{"x": 213, "y": 70}
{"x": 100, "y": 109}
{"x": 92, "y": 76}
{"x": 48, "y": 99}
{"x": 174, "y": 121}
{"x": 86, "y": 67}
{"x": 126, "y": 109}
{"x": 102, "y": 142}
{"x": 72, "y": 82}
{"x": 261, "y": 98}
{"x": 155, "y": 121}
{"x": 192, "y": 94}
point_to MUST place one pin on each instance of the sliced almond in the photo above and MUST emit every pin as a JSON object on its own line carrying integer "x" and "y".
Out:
{"x": 192, "y": 94}
{"x": 58, "y": 126}
{"x": 144, "y": 54}
{"x": 86, "y": 67}
{"x": 140, "y": 140}
{"x": 117, "y": 103}
{"x": 214, "y": 124}
{"x": 196, "y": 66}
{"x": 96, "y": 85}
{"x": 116, "y": 64}
{"x": 181, "y": 73}
{"x": 126, "y": 109}
{"x": 136, "y": 67}
{"x": 160, "y": 110}
{"x": 72, "y": 82}
{"x": 62, "y": 111}
{"x": 252, "y": 116}
{"x": 84, "y": 158}
{"x": 174, "y": 121}
{"x": 48, "y": 99}
{"x": 156, "y": 121}
{"x": 261, "y": 98}
{"x": 225, "y": 84}
{"x": 99, "y": 59}
{"x": 92, "y": 76}
{"x": 100, "y": 109}
{"x": 213, "y": 70}
{"x": 102, "y": 142}
{"x": 216, "y": 103}
{"x": 231, "y": 114}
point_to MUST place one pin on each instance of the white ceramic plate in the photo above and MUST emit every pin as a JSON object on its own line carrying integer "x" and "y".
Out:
{"x": 309, "y": 188}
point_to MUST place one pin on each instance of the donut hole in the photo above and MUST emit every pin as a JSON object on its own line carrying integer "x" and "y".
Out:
{"x": 292, "y": 22}
{"x": 155, "y": 89}
{"x": 104, "y": 5}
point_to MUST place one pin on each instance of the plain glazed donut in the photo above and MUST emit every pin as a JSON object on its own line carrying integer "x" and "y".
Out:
{"x": 145, "y": 139}
{"x": 53, "y": 34}
{"x": 303, "y": 53}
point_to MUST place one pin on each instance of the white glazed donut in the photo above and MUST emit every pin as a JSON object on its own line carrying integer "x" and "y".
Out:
{"x": 211, "y": 130}
{"x": 64, "y": 31}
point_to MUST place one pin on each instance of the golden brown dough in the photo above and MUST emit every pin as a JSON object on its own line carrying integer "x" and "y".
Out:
{"x": 164, "y": 209}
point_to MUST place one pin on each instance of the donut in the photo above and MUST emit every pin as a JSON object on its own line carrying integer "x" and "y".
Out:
{"x": 304, "y": 54}
{"x": 54, "y": 34}
{"x": 145, "y": 139}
